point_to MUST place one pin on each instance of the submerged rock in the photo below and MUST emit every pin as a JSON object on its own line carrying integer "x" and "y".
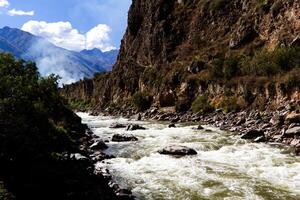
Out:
{"x": 117, "y": 125}
{"x": 200, "y": 127}
{"x": 252, "y": 134}
{"x": 123, "y": 138}
{"x": 177, "y": 150}
{"x": 133, "y": 127}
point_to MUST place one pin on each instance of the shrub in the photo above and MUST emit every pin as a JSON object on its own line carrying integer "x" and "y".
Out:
{"x": 182, "y": 105}
{"x": 141, "y": 100}
{"x": 202, "y": 105}
{"x": 216, "y": 69}
{"x": 229, "y": 104}
{"x": 231, "y": 67}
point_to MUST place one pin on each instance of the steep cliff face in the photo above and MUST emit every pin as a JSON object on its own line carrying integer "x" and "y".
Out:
{"x": 169, "y": 47}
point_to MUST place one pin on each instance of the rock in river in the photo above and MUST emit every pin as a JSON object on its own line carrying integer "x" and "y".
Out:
{"x": 133, "y": 127}
{"x": 98, "y": 145}
{"x": 252, "y": 134}
{"x": 123, "y": 138}
{"x": 117, "y": 125}
{"x": 177, "y": 150}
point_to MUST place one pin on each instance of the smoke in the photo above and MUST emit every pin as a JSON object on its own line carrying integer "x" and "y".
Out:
{"x": 54, "y": 60}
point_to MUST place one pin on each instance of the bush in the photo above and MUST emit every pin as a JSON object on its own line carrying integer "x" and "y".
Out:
{"x": 182, "y": 105}
{"x": 229, "y": 104}
{"x": 141, "y": 100}
{"x": 202, "y": 105}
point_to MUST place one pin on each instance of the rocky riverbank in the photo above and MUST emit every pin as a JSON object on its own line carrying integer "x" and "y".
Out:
{"x": 274, "y": 126}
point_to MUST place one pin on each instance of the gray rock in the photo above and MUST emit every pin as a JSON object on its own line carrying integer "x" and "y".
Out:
{"x": 293, "y": 131}
{"x": 133, "y": 127}
{"x": 123, "y": 138}
{"x": 117, "y": 125}
{"x": 98, "y": 145}
{"x": 177, "y": 150}
{"x": 252, "y": 134}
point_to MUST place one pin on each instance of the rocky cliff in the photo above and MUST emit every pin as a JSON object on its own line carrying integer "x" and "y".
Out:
{"x": 176, "y": 50}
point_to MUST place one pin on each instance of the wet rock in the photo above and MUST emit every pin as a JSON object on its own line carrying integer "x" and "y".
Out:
{"x": 252, "y": 134}
{"x": 172, "y": 126}
{"x": 292, "y": 131}
{"x": 292, "y": 118}
{"x": 138, "y": 117}
{"x": 177, "y": 150}
{"x": 98, "y": 145}
{"x": 133, "y": 127}
{"x": 117, "y": 125}
{"x": 260, "y": 139}
{"x": 200, "y": 127}
{"x": 123, "y": 138}
{"x": 78, "y": 156}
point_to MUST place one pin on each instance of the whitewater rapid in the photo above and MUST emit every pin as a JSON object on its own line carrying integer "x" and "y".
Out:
{"x": 226, "y": 166}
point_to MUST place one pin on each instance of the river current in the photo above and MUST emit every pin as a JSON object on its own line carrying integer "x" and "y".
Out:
{"x": 226, "y": 167}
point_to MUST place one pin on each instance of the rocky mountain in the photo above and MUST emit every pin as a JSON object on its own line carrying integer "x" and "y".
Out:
{"x": 246, "y": 52}
{"x": 107, "y": 59}
{"x": 70, "y": 65}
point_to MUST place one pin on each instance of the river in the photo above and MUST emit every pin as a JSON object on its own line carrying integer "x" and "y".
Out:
{"x": 226, "y": 167}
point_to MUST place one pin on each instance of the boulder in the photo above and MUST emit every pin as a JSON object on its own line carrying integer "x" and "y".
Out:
{"x": 123, "y": 138}
{"x": 117, "y": 125}
{"x": 252, "y": 134}
{"x": 133, "y": 127}
{"x": 292, "y": 118}
{"x": 177, "y": 150}
{"x": 98, "y": 145}
{"x": 293, "y": 131}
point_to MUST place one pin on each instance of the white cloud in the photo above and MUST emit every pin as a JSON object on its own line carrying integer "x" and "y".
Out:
{"x": 64, "y": 35}
{"x": 4, "y": 3}
{"x": 15, "y": 12}
{"x": 98, "y": 37}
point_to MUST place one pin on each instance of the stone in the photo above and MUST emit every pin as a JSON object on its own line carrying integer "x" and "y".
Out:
{"x": 138, "y": 117}
{"x": 200, "y": 127}
{"x": 252, "y": 134}
{"x": 177, "y": 150}
{"x": 172, "y": 126}
{"x": 260, "y": 139}
{"x": 277, "y": 120}
{"x": 98, "y": 145}
{"x": 293, "y": 131}
{"x": 133, "y": 127}
{"x": 292, "y": 118}
{"x": 123, "y": 138}
{"x": 117, "y": 125}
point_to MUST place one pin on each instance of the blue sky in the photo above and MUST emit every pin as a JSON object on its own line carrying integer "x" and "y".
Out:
{"x": 83, "y": 16}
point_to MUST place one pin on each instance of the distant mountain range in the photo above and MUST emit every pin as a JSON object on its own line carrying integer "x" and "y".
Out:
{"x": 70, "y": 65}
